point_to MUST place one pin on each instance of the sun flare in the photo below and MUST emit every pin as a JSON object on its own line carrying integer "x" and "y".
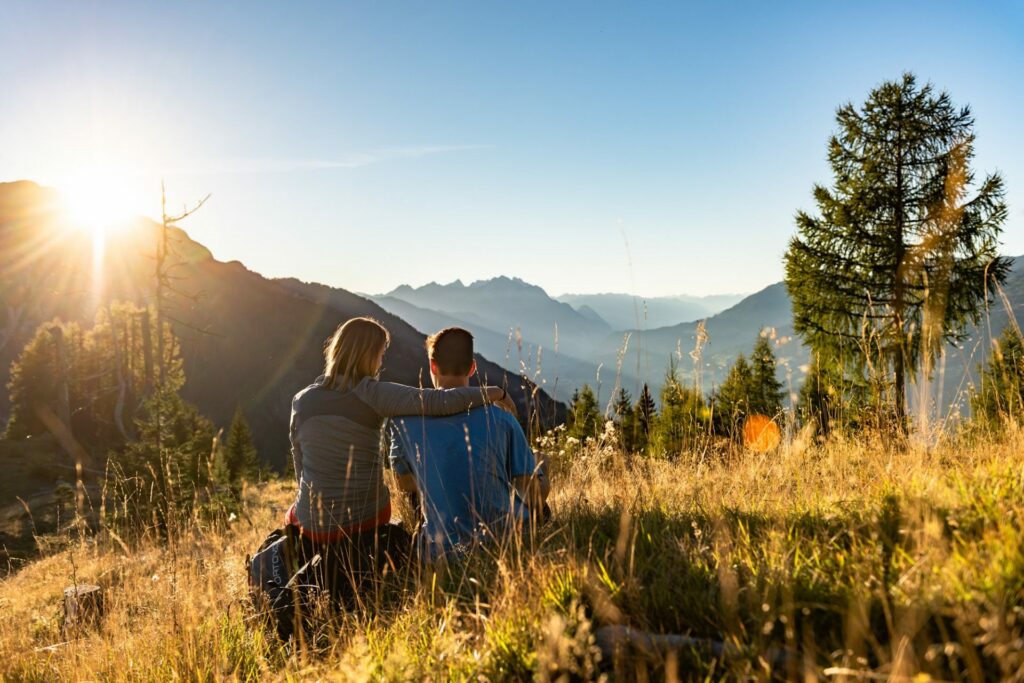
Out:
{"x": 98, "y": 201}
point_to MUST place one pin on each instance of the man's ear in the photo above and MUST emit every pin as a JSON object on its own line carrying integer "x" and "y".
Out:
{"x": 472, "y": 368}
{"x": 433, "y": 367}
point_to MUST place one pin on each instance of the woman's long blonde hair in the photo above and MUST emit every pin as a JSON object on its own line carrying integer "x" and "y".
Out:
{"x": 352, "y": 351}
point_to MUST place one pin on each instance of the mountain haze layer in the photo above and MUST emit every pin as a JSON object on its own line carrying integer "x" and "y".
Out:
{"x": 627, "y": 312}
{"x": 515, "y": 323}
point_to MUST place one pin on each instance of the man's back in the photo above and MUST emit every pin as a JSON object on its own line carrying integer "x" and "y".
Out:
{"x": 464, "y": 467}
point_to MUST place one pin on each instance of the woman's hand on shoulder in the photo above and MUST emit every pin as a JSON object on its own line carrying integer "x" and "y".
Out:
{"x": 499, "y": 397}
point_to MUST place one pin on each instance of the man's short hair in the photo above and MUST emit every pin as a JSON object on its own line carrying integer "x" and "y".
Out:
{"x": 452, "y": 350}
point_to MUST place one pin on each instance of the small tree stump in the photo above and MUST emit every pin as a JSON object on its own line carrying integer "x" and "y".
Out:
{"x": 83, "y": 608}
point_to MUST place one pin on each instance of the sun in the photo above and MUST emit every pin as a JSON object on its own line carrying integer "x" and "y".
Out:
{"x": 97, "y": 201}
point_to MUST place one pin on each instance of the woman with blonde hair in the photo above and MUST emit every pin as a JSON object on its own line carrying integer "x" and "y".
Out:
{"x": 335, "y": 432}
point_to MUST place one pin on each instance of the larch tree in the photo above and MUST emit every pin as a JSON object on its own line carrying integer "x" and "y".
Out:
{"x": 903, "y": 252}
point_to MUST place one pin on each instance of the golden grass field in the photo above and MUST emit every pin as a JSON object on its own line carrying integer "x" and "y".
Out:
{"x": 859, "y": 560}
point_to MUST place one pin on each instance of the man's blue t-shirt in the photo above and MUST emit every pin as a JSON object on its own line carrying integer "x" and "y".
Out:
{"x": 463, "y": 465}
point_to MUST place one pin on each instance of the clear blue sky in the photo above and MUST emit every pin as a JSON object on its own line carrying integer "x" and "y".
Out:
{"x": 365, "y": 145}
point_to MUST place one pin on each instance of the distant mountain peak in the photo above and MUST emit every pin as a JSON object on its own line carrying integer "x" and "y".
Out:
{"x": 500, "y": 283}
{"x": 504, "y": 282}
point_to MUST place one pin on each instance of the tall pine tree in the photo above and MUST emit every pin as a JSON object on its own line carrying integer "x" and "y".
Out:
{"x": 900, "y": 257}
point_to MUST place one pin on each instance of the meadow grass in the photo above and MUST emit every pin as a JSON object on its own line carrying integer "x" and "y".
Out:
{"x": 853, "y": 559}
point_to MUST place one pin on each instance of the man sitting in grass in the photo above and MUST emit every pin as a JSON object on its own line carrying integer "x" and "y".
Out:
{"x": 473, "y": 473}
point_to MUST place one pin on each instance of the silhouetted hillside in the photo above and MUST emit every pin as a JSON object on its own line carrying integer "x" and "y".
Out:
{"x": 245, "y": 340}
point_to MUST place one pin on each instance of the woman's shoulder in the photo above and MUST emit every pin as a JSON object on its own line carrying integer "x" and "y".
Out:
{"x": 318, "y": 400}
{"x": 371, "y": 386}
{"x": 316, "y": 385}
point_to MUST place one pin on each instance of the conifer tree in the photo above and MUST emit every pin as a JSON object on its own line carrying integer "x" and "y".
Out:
{"x": 766, "y": 390}
{"x": 901, "y": 256}
{"x": 625, "y": 419}
{"x": 1001, "y": 395}
{"x": 169, "y": 463}
{"x": 240, "y": 450}
{"x": 819, "y": 396}
{"x": 683, "y": 418}
{"x": 733, "y": 398}
{"x": 93, "y": 380}
{"x": 32, "y": 380}
{"x": 644, "y": 414}
{"x": 47, "y": 373}
{"x": 584, "y": 419}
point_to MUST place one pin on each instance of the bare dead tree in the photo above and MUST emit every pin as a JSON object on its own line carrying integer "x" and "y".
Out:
{"x": 164, "y": 274}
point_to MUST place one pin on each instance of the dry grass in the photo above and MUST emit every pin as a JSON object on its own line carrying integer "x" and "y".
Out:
{"x": 857, "y": 559}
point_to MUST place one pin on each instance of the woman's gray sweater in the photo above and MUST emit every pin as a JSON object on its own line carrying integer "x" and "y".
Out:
{"x": 335, "y": 437}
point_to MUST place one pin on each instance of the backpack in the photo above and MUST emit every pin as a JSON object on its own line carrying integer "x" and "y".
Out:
{"x": 279, "y": 587}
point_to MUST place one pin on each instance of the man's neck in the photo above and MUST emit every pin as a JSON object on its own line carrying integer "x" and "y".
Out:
{"x": 451, "y": 381}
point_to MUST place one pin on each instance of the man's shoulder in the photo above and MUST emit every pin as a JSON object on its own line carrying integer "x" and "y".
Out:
{"x": 481, "y": 416}
{"x": 491, "y": 416}
{"x": 503, "y": 417}
{"x": 466, "y": 416}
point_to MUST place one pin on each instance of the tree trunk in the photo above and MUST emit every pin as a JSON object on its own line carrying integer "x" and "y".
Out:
{"x": 83, "y": 609}
{"x": 119, "y": 373}
{"x": 147, "y": 351}
{"x": 899, "y": 294}
{"x": 63, "y": 394}
{"x": 900, "y": 381}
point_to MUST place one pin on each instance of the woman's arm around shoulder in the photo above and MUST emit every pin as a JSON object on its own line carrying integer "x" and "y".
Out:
{"x": 391, "y": 399}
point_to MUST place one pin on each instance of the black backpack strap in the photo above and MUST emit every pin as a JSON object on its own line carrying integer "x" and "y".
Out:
{"x": 293, "y": 548}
